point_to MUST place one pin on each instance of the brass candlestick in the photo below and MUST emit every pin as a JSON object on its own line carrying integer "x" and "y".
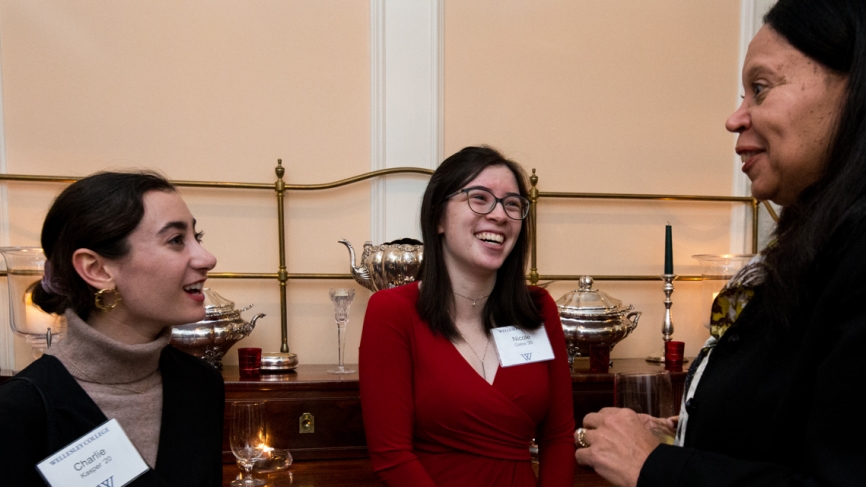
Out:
{"x": 667, "y": 323}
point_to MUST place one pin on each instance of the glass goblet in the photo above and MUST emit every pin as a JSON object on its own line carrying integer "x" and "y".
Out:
{"x": 247, "y": 439}
{"x": 649, "y": 393}
{"x": 342, "y": 299}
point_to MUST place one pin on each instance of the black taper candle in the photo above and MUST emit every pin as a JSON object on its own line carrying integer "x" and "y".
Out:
{"x": 669, "y": 251}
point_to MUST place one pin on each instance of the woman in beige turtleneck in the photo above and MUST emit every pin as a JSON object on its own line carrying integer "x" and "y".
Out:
{"x": 124, "y": 264}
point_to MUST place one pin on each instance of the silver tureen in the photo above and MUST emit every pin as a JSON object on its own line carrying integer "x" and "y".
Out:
{"x": 592, "y": 317}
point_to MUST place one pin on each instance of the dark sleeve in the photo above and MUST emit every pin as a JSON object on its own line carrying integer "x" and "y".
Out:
{"x": 191, "y": 436}
{"x": 669, "y": 466}
{"x": 555, "y": 436}
{"x": 22, "y": 433}
{"x": 387, "y": 402}
{"x": 829, "y": 450}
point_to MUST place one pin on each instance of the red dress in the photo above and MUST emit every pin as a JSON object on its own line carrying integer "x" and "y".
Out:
{"x": 431, "y": 420}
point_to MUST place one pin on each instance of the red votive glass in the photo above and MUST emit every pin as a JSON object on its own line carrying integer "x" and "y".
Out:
{"x": 249, "y": 360}
{"x": 599, "y": 358}
{"x": 674, "y": 353}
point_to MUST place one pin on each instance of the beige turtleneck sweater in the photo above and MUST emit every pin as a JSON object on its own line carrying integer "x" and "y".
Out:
{"x": 123, "y": 380}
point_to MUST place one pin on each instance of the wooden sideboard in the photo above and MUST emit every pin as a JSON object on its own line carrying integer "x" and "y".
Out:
{"x": 334, "y": 454}
{"x": 328, "y": 407}
{"x": 332, "y": 402}
{"x": 355, "y": 472}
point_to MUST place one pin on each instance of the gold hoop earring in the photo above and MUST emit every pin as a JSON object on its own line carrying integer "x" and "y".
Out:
{"x": 99, "y": 299}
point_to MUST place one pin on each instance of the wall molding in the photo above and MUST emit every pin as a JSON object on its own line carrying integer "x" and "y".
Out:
{"x": 751, "y": 19}
{"x": 377, "y": 115}
{"x": 7, "y": 339}
{"x": 740, "y": 218}
{"x": 406, "y": 105}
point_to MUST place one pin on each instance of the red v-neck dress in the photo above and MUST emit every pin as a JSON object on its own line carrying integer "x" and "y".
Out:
{"x": 431, "y": 420}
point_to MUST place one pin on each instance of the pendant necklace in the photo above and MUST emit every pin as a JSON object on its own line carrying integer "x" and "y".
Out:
{"x": 481, "y": 358}
{"x": 474, "y": 300}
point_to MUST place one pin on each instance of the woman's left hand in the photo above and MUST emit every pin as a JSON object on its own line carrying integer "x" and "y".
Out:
{"x": 619, "y": 443}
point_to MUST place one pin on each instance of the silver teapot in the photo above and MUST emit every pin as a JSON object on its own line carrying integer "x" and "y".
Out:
{"x": 388, "y": 265}
{"x": 592, "y": 317}
{"x": 212, "y": 337}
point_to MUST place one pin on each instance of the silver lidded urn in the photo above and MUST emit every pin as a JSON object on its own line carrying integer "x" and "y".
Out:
{"x": 212, "y": 337}
{"x": 388, "y": 265}
{"x": 592, "y": 317}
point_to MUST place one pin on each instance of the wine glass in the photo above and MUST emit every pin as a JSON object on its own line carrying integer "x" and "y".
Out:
{"x": 247, "y": 439}
{"x": 342, "y": 299}
{"x": 648, "y": 393}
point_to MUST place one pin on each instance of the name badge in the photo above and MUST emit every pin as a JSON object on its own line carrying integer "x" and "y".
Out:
{"x": 516, "y": 346}
{"x": 104, "y": 457}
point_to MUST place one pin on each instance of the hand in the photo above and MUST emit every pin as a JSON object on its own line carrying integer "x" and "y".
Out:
{"x": 619, "y": 441}
{"x": 661, "y": 427}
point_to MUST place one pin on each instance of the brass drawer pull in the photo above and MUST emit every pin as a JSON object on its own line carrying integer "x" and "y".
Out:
{"x": 306, "y": 423}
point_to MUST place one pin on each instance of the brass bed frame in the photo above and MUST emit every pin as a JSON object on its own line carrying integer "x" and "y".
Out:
{"x": 279, "y": 187}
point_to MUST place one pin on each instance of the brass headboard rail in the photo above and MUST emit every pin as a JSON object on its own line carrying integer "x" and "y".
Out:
{"x": 233, "y": 185}
{"x": 534, "y": 195}
{"x": 280, "y": 187}
{"x": 659, "y": 197}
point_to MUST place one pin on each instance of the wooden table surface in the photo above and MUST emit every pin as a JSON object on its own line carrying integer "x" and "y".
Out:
{"x": 354, "y": 473}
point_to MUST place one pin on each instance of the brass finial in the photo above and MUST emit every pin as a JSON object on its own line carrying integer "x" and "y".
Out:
{"x": 533, "y": 190}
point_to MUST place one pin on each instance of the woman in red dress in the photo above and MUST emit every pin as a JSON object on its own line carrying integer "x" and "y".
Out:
{"x": 443, "y": 403}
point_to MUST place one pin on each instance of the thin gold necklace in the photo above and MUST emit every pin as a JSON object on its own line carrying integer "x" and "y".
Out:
{"x": 480, "y": 358}
{"x": 113, "y": 386}
{"x": 474, "y": 300}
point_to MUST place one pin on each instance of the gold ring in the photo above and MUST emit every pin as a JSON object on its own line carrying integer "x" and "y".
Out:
{"x": 581, "y": 438}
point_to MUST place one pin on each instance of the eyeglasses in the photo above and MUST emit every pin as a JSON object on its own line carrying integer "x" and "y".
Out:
{"x": 483, "y": 202}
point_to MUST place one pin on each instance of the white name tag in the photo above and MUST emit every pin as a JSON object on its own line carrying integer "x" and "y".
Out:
{"x": 516, "y": 346}
{"x": 104, "y": 457}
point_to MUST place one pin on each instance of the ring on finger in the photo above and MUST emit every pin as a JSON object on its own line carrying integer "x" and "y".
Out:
{"x": 581, "y": 438}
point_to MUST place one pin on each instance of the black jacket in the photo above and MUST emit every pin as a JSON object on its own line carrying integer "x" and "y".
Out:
{"x": 783, "y": 409}
{"x": 42, "y": 409}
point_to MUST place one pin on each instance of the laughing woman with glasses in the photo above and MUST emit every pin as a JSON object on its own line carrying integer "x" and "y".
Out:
{"x": 462, "y": 370}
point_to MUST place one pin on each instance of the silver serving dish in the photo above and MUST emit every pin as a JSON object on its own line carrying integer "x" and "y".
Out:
{"x": 278, "y": 362}
{"x": 221, "y": 328}
{"x": 388, "y": 265}
{"x": 592, "y": 317}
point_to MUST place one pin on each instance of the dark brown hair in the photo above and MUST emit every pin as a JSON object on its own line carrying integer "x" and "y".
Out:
{"x": 97, "y": 213}
{"x": 833, "y": 34}
{"x": 510, "y": 301}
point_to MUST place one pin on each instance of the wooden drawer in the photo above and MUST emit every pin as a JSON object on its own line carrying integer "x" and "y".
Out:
{"x": 332, "y": 402}
{"x": 335, "y": 405}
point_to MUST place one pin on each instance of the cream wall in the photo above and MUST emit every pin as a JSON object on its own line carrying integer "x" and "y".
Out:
{"x": 215, "y": 90}
{"x": 623, "y": 96}
{"x": 602, "y": 96}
